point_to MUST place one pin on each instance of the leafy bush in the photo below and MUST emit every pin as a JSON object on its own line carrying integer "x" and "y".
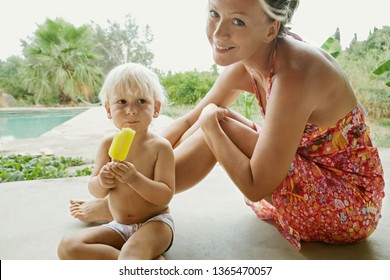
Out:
{"x": 360, "y": 61}
{"x": 29, "y": 167}
{"x": 382, "y": 69}
{"x": 188, "y": 87}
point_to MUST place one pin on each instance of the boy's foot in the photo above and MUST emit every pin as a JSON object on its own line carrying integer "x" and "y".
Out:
{"x": 95, "y": 210}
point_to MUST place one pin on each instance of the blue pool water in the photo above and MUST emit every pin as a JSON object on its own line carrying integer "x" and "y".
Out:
{"x": 19, "y": 124}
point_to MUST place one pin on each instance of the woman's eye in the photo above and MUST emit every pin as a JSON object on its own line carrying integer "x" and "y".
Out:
{"x": 238, "y": 22}
{"x": 213, "y": 13}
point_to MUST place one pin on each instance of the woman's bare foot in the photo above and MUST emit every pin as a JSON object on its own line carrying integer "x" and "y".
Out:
{"x": 95, "y": 210}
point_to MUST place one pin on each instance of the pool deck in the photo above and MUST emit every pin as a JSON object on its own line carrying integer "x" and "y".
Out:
{"x": 209, "y": 226}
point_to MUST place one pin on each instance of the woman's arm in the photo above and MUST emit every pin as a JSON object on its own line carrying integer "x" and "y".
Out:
{"x": 288, "y": 110}
{"x": 220, "y": 94}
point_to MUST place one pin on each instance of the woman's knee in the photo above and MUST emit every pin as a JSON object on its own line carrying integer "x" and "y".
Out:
{"x": 242, "y": 135}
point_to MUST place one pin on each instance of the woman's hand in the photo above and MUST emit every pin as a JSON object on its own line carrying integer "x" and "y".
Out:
{"x": 123, "y": 171}
{"x": 212, "y": 114}
{"x": 106, "y": 179}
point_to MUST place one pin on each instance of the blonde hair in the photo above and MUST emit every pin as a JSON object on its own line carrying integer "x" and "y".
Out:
{"x": 280, "y": 10}
{"x": 133, "y": 78}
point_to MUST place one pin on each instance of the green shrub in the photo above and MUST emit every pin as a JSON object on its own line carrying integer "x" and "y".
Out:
{"x": 30, "y": 167}
{"x": 189, "y": 87}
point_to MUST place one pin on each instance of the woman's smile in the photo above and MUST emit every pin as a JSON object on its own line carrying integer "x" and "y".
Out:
{"x": 222, "y": 49}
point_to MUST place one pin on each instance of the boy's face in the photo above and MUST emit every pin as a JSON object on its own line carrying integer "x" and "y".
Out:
{"x": 129, "y": 110}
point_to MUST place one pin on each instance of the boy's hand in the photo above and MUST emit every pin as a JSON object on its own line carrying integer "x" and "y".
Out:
{"x": 123, "y": 171}
{"x": 106, "y": 179}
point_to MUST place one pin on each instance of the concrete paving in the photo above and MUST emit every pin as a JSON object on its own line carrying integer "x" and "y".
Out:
{"x": 209, "y": 225}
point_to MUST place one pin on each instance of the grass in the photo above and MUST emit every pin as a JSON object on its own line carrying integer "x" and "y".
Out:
{"x": 384, "y": 122}
{"x": 380, "y": 132}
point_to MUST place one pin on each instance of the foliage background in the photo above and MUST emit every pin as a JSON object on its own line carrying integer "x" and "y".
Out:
{"x": 64, "y": 65}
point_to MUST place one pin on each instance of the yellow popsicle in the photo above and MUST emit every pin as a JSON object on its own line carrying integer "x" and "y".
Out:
{"x": 121, "y": 143}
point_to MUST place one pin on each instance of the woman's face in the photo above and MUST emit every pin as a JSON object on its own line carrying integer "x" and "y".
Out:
{"x": 236, "y": 29}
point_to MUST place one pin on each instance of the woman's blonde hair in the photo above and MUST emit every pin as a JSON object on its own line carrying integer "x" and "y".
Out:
{"x": 280, "y": 10}
{"x": 135, "y": 79}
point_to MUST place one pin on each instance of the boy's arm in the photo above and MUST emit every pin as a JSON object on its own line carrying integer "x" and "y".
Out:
{"x": 101, "y": 180}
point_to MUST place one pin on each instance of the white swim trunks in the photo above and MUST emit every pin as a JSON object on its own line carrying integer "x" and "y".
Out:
{"x": 126, "y": 231}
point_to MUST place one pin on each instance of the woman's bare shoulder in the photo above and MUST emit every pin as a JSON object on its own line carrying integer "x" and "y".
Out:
{"x": 311, "y": 78}
{"x": 235, "y": 77}
{"x": 303, "y": 71}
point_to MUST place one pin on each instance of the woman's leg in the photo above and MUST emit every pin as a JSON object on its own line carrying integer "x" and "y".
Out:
{"x": 194, "y": 159}
{"x": 97, "y": 243}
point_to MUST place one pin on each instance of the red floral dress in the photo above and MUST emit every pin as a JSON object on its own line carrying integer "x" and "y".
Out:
{"x": 334, "y": 187}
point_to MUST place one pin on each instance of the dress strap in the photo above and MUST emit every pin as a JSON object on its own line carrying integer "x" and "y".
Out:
{"x": 268, "y": 92}
{"x": 271, "y": 74}
{"x": 257, "y": 93}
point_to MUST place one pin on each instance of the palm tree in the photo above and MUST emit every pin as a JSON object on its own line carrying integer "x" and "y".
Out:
{"x": 61, "y": 63}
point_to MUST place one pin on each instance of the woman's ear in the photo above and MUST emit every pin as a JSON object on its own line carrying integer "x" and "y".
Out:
{"x": 273, "y": 30}
{"x": 157, "y": 108}
{"x": 108, "y": 110}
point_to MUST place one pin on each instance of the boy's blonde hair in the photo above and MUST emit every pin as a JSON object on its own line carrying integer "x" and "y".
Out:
{"x": 133, "y": 78}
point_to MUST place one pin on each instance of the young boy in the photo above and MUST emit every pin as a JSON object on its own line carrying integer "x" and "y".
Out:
{"x": 139, "y": 188}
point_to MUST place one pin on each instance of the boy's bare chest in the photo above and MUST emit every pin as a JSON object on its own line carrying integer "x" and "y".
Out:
{"x": 144, "y": 162}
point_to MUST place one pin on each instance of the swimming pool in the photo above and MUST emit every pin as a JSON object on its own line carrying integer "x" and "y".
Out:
{"x": 32, "y": 123}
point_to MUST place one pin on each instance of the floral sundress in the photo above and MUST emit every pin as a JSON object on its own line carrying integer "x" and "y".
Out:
{"x": 334, "y": 187}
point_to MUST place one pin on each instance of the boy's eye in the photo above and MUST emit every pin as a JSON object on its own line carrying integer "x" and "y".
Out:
{"x": 121, "y": 101}
{"x": 141, "y": 101}
{"x": 238, "y": 22}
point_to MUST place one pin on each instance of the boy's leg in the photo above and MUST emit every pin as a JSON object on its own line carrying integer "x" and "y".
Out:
{"x": 149, "y": 242}
{"x": 96, "y": 243}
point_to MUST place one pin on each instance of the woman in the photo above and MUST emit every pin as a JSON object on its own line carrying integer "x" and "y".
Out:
{"x": 311, "y": 168}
